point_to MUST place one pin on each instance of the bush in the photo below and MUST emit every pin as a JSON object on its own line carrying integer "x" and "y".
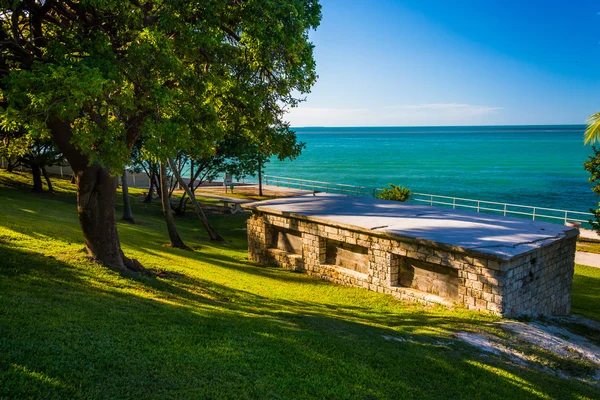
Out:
{"x": 397, "y": 193}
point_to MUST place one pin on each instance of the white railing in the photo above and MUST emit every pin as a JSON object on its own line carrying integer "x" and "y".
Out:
{"x": 318, "y": 186}
{"x": 491, "y": 207}
{"x": 506, "y": 209}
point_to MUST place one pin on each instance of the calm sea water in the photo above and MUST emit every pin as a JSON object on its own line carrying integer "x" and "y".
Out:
{"x": 530, "y": 165}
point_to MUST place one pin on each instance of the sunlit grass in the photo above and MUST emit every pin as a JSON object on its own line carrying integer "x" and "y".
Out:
{"x": 586, "y": 292}
{"x": 213, "y": 325}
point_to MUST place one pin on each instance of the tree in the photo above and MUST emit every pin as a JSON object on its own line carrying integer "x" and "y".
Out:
{"x": 98, "y": 75}
{"x": 39, "y": 155}
{"x": 127, "y": 213}
{"x": 209, "y": 229}
{"x": 592, "y": 165}
{"x": 176, "y": 240}
{"x": 36, "y": 154}
{"x": 592, "y": 132}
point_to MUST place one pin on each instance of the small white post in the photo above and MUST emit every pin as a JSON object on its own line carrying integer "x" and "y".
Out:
{"x": 478, "y": 205}
{"x": 505, "y": 210}
{"x": 534, "y": 213}
{"x": 133, "y": 180}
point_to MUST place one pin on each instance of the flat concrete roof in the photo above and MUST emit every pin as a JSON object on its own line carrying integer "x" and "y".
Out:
{"x": 497, "y": 236}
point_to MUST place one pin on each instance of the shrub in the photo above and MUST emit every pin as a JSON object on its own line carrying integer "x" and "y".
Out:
{"x": 394, "y": 192}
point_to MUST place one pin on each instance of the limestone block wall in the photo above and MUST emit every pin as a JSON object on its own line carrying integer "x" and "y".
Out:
{"x": 535, "y": 283}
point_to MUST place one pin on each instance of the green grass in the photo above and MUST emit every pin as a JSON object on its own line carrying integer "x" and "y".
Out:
{"x": 586, "y": 292}
{"x": 216, "y": 326}
{"x": 588, "y": 246}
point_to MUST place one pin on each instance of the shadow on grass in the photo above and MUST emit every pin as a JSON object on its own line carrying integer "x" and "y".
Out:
{"x": 65, "y": 334}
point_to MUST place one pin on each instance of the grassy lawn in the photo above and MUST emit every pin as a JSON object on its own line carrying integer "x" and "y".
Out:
{"x": 586, "y": 292}
{"x": 214, "y": 325}
{"x": 589, "y": 247}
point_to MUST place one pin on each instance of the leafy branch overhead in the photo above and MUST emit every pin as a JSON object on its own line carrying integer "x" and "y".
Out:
{"x": 180, "y": 74}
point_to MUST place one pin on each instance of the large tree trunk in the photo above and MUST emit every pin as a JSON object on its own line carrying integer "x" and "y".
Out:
{"x": 127, "y": 214}
{"x": 96, "y": 195}
{"x": 37, "y": 179}
{"x": 48, "y": 181}
{"x": 209, "y": 229}
{"x": 167, "y": 212}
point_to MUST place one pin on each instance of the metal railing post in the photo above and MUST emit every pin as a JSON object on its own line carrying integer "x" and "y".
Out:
{"x": 534, "y": 213}
{"x": 478, "y": 205}
{"x": 505, "y": 210}
{"x": 566, "y": 216}
{"x": 454, "y": 203}
{"x": 430, "y": 200}
{"x": 134, "y": 180}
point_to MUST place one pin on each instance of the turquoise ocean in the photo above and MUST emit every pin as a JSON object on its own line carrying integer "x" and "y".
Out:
{"x": 530, "y": 165}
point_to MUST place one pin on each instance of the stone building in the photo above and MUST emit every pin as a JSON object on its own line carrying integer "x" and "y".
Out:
{"x": 507, "y": 266}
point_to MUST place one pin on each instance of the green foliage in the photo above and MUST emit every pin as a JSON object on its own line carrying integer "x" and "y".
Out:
{"x": 592, "y": 132}
{"x": 179, "y": 75}
{"x": 592, "y": 165}
{"x": 394, "y": 192}
{"x": 586, "y": 296}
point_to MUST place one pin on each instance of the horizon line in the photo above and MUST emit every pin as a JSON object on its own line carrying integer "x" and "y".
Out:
{"x": 430, "y": 126}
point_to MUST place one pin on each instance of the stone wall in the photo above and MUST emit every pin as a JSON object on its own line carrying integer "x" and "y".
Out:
{"x": 535, "y": 283}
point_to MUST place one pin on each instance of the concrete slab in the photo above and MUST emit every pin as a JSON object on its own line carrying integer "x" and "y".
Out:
{"x": 589, "y": 259}
{"x": 497, "y": 236}
{"x": 589, "y": 235}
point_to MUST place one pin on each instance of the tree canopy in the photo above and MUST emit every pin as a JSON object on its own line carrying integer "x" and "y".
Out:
{"x": 99, "y": 75}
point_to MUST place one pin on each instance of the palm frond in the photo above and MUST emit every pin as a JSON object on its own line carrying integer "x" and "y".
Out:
{"x": 592, "y": 132}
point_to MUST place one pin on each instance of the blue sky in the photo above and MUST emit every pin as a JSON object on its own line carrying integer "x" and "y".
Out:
{"x": 463, "y": 62}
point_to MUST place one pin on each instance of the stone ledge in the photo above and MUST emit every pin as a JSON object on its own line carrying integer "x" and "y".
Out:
{"x": 422, "y": 225}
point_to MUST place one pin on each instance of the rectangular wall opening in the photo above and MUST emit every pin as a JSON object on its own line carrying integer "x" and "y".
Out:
{"x": 347, "y": 256}
{"x": 286, "y": 240}
{"x": 427, "y": 277}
